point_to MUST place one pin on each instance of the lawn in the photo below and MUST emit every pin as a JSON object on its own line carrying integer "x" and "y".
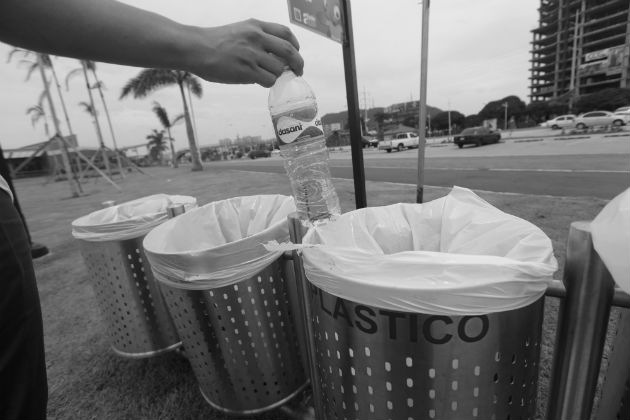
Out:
{"x": 87, "y": 381}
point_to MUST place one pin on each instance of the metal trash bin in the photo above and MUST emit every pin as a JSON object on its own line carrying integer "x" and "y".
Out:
{"x": 406, "y": 327}
{"x": 137, "y": 320}
{"x": 231, "y": 302}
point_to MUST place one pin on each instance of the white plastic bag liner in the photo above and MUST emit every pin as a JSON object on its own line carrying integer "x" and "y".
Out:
{"x": 610, "y": 231}
{"x": 128, "y": 220}
{"x": 220, "y": 243}
{"x": 457, "y": 255}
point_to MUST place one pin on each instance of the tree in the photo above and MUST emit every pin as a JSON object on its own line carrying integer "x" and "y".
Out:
{"x": 495, "y": 109}
{"x": 149, "y": 80}
{"x": 75, "y": 187}
{"x": 38, "y": 112}
{"x": 91, "y": 109}
{"x": 156, "y": 144}
{"x": 162, "y": 115}
{"x": 47, "y": 64}
{"x": 440, "y": 121}
{"x": 473, "y": 120}
{"x": 606, "y": 99}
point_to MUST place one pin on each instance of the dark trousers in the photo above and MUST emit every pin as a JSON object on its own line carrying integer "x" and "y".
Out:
{"x": 6, "y": 174}
{"x": 23, "y": 384}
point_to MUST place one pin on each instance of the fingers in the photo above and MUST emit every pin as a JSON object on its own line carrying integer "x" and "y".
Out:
{"x": 281, "y": 42}
{"x": 280, "y": 31}
{"x": 270, "y": 63}
{"x": 285, "y": 52}
{"x": 265, "y": 78}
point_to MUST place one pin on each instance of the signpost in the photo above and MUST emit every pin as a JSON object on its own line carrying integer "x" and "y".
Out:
{"x": 422, "y": 122}
{"x": 333, "y": 19}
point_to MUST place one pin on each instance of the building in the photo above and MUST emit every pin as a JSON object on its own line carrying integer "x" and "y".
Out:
{"x": 580, "y": 47}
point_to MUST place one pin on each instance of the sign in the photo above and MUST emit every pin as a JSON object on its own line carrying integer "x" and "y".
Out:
{"x": 320, "y": 16}
{"x": 609, "y": 61}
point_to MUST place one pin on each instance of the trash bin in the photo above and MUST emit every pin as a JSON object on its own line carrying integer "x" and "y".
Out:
{"x": 137, "y": 319}
{"x": 428, "y": 311}
{"x": 230, "y": 300}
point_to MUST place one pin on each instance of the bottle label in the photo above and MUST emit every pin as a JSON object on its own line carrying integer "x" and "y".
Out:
{"x": 290, "y": 130}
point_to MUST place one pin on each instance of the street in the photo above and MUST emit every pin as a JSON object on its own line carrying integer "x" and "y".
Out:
{"x": 598, "y": 166}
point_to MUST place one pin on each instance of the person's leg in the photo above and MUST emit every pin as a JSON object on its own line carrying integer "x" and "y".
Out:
{"x": 23, "y": 383}
{"x": 37, "y": 250}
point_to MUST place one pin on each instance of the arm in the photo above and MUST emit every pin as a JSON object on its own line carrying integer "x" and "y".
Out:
{"x": 113, "y": 32}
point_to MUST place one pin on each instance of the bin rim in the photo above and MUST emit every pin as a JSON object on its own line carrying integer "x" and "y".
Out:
{"x": 130, "y": 227}
{"x": 205, "y": 267}
{"x": 167, "y": 225}
{"x": 438, "y": 279}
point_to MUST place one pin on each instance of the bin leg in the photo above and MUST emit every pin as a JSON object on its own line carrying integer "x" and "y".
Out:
{"x": 583, "y": 321}
{"x": 296, "y": 232}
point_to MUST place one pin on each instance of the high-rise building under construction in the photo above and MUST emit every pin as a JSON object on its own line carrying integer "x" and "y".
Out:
{"x": 580, "y": 47}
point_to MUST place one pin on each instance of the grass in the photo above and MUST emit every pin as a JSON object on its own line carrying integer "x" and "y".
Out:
{"x": 87, "y": 381}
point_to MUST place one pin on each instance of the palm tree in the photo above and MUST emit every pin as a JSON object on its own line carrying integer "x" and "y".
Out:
{"x": 91, "y": 109}
{"x": 38, "y": 112}
{"x": 162, "y": 115}
{"x": 47, "y": 64}
{"x": 100, "y": 86}
{"x": 149, "y": 80}
{"x": 75, "y": 187}
{"x": 156, "y": 144}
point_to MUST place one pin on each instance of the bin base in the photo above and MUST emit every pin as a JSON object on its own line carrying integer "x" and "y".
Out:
{"x": 257, "y": 410}
{"x": 146, "y": 353}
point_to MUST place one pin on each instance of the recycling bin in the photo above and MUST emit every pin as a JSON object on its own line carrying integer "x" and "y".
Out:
{"x": 231, "y": 301}
{"x": 129, "y": 298}
{"x": 427, "y": 311}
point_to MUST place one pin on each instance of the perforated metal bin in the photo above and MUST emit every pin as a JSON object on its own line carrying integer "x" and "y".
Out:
{"x": 380, "y": 364}
{"x": 241, "y": 341}
{"x": 129, "y": 298}
{"x": 231, "y": 301}
{"x": 137, "y": 320}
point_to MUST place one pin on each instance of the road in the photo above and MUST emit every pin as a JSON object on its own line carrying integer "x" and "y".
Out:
{"x": 590, "y": 167}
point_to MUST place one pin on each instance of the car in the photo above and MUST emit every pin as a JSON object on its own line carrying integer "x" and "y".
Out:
{"x": 369, "y": 142}
{"x": 595, "y": 118}
{"x": 477, "y": 136}
{"x": 563, "y": 121}
{"x": 258, "y": 153}
{"x": 400, "y": 141}
{"x": 624, "y": 109}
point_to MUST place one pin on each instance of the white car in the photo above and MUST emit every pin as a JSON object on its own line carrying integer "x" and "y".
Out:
{"x": 596, "y": 118}
{"x": 563, "y": 121}
{"x": 624, "y": 109}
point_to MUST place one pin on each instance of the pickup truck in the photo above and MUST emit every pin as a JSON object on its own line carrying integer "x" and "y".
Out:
{"x": 400, "y": 142}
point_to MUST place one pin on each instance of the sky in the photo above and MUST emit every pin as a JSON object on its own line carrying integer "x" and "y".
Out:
{"x": 479, "y": 51}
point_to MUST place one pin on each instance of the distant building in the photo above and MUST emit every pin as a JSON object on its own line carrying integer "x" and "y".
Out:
{"x": 580, "y": 44}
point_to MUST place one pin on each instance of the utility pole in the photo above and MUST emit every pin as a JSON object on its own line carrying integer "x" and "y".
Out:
{"x": 449, "y": 120}
{"x": 505, "y": 105}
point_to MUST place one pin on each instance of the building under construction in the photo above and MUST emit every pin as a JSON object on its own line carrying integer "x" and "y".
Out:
{"x": 580, "y": 47}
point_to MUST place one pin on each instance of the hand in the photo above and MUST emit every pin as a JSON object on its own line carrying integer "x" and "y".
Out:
{"x": 246, "y": 52}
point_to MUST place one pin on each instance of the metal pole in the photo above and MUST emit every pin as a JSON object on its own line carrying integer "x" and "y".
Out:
{"x": 582, "y": 328}
{"x": 352, "y": 97}
{"x": 296, "y": 232}
{"x": 422, "y": 123}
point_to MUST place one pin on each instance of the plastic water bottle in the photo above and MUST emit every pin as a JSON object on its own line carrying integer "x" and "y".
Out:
{"x": 293, "y": 109}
